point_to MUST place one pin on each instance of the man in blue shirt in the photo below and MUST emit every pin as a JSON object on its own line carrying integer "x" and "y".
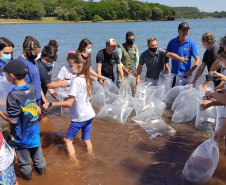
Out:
{"x": 184, "y": 47}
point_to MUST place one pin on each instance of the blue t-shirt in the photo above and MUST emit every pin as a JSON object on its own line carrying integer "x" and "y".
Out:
{"x": 22, "y": 107}
{"x": 2, "y": 64}
{"x": 187, "y": 49}
{"x": 33, "y": 77}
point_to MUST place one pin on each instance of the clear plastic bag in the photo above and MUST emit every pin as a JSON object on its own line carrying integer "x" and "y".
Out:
{"x": 114, "y": 113}
{"x": 172, "y": 94}
{"x": 125, "y": 89}
{"x": 187, "y": 94}
{"x": 221, "y": 116}
{"x": 158, "y": 93}
{"x": 110, "y": 86}
{"x": 166, "y": 79}
{"x": 62, "y": 92}
{"x": 157, "y": 127}
{"x": 186, "y": 111}
{"x": 206, "y": 120}
{"x": 181, "y": 80}
{"x": 202, "y": 163}
{"x": 98, "y": 98}
{"x": 124, "y": 101}
{"x": 145, "y": 116}
{"x": 143, "y": 105}
{"x": 144, "y": 92}
{"x": 110, "y": 97}
{"x": 5, "y": 89}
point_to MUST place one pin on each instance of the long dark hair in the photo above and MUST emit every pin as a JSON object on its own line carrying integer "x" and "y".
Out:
{"x": 80, "y": 59}
{"x": 83, "y": 44}
{"x": 31, "y": 43}
{"x": 4, "y": 42}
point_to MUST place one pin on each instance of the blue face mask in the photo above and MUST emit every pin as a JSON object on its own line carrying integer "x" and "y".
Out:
{"x": 48, "y": 65}
{"x": 5, "y": 57}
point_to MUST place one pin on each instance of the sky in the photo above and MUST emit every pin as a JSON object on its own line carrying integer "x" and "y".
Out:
{"x": 202, "y": 5}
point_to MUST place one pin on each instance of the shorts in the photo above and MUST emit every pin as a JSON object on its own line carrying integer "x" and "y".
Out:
{"x": 76, "y": 126}
{"x": 8, "y": 175}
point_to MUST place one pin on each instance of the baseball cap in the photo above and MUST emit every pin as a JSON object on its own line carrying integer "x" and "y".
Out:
{"x": 16, "y": 67}
{"x": 183, "y": 25}
{"x": 111, "y": 42}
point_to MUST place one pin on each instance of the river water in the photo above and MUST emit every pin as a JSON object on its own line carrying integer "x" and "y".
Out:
{"x": 123, "y": 153}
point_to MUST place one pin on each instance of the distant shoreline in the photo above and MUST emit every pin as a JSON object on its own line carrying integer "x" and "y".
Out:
{"x": 54, "y": 20}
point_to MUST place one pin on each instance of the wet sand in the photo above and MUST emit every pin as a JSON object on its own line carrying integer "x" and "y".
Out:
{"x": 122, "y": 155}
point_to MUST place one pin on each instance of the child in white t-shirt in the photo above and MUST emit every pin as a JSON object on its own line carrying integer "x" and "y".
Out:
{"x": 81, "y": 111}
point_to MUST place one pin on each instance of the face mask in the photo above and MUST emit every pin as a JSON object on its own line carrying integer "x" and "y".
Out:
{"x": 130, "y": 42}
{"x": 88, "y": 51}
{"x": 6, "y": 57}
{"x": 153, "y": 49}
{"x": 48, "y": 65}
{"x": 31, "y": 56}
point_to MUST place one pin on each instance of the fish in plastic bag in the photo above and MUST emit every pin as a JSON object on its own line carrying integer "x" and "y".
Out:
{"x": 114, "y": 113}
{"x": 125, "y": 89}
{"x": 145, "y": 116}
{"x": 157, "y": 127}
{"x": 124, "y": 101}
{"x": 110, "y": 97}
{"x": 202, "y": 163}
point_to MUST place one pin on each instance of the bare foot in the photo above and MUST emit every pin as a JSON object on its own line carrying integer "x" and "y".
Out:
{"x": 75, "y": 161}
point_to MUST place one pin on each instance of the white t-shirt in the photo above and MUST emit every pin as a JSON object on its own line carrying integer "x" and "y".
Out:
{"x": 81, "y": 110}
{"x": 65, "y": 74}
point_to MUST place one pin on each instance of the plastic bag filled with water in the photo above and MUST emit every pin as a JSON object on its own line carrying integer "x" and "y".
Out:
{"x": 206, "y": 120}
{"x": 181, "y": 80}
{"x": 62, "y": 92}
{"x": 98, "y": 98}
{"x": 125, "y": 89}
{"x": 145, "y": 92}
{"x": 158, "y": 93}
{"x": 171, "y": 95}
{"x": 187, "y": 94}
{"x": 110, "y": 86}
{"x": 143, "y": 105}
{"x": 221, "y": 116}
{"x": 166, "y": 79}
{"x": 202, "y": 163}
{"x": 114, "y": 113}
{"x": 110, "y": 97}
{"x": 124, "y": 101}
{"x": 186, "y": 111}
{"x": 157, "y": 127}
{"x": 5, "y": 89}
{"x": 145, "y": 116}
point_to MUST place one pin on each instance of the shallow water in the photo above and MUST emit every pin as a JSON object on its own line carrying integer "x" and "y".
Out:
{"x": 123, "y": 154}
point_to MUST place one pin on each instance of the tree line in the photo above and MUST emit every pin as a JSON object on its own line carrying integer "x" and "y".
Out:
{"x": 195, "y": 13}
{"x": 79, "y": 10}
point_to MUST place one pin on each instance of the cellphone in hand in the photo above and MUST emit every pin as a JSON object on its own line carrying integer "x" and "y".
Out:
{"x": 210, "y": 77}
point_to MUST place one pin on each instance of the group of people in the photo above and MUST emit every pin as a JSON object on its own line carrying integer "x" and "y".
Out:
{"x": 31, "y": 75}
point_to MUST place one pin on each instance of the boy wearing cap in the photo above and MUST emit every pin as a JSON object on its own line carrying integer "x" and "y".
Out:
{"x": 184, "y": 47}
{"x": 22, "y": 114}
{"x": 106, "y": 59}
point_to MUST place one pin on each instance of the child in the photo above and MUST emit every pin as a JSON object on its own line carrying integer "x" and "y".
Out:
{"x": 81, "y": 111}
{"x": 22, "y": 111}
{"x": 7, "y": 173}
{"x": 31, "y": 48}
{"x": 6, "y": 50}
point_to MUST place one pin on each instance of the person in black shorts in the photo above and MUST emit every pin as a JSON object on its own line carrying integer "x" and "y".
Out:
{"x": 106, "y": 59}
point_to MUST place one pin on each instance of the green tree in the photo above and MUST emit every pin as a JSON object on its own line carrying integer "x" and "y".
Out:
{"x": 97, "y": 18}
{"x": 157, "y": 13}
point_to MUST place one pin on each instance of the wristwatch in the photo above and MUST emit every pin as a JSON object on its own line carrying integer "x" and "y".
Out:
{"x": 50, "y": 104}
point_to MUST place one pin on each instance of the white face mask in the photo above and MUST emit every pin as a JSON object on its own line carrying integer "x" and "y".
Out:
{"x": 88, "y": 51}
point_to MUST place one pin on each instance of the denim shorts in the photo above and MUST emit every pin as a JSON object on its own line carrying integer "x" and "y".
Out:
{"x": 76, "y": 126}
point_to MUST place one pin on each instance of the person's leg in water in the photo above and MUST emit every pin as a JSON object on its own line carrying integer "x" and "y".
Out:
{"x": 86, "y": 135}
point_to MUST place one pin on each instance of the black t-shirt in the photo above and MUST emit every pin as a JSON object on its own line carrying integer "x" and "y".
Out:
{"x": 210, "y": 55}
{"x": 108, "y": 62}
{"x": 45, "y": 75}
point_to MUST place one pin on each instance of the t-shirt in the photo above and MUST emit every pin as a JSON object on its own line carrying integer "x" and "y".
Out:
{"x": 155, "y": 63}
{"x": 33, "y": 77}
{"x": 187, "y": 49}
{"x": 108, "y": 62}
{"x": 81, "y": 109}
{"x": 210, "y": 55}
{"x": 45, "y": 75}
{"x": 22, "y": 107}
{"x": 65, "y": 74}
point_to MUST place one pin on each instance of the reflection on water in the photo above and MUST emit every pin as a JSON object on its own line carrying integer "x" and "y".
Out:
{"x": 123, "y": 154}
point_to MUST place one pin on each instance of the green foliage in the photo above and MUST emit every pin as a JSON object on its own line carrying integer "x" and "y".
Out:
{"x": 157, "y": 13}
{"x": 97, "y": 18}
